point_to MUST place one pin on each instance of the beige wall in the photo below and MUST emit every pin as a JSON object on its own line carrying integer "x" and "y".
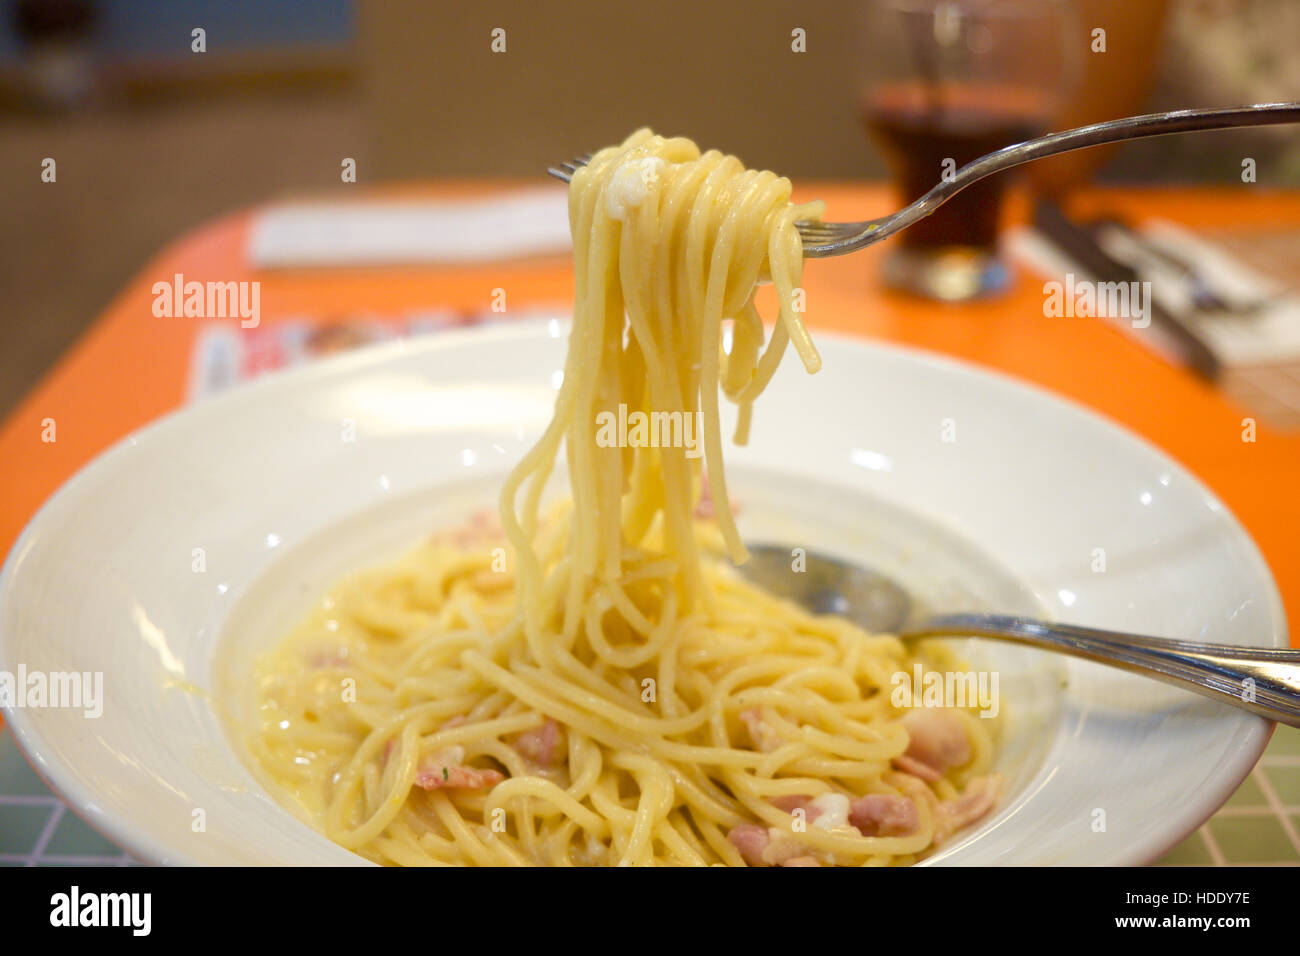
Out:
{"x": 581, "y": 74}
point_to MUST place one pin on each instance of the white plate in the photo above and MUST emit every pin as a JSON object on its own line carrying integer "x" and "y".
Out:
{"x": 1016, "y": 514}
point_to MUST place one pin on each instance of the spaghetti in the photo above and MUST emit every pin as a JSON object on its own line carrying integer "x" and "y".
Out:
{"x": 595, "y": 684}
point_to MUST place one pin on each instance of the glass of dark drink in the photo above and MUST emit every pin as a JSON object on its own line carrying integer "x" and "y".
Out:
{"x": 948, "y": 81}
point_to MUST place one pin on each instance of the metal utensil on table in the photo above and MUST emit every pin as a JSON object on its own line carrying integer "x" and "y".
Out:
{"x": 1080, "y": 245}
{"x": 1202, "y": 292}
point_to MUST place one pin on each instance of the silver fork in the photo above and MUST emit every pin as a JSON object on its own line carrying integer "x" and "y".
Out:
{"x": 823, "y": 239}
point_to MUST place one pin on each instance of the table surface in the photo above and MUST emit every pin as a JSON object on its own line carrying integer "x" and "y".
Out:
{"x": 131, "y": 367}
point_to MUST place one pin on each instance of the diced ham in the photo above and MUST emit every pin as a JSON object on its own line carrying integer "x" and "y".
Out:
{"x": 951, "y": 815}
{"x": 917, "y": 769}
{"x": 458, "y": 776}
{"x": 541, "y": 744}
{"x": 446, "y": 770}
{"x": 761, "y": 733}
{"x": 765, "y": 846}
{"x": 872, "y": 815}
{"x": 829, "y": 811}
{"x": 704, "y": 509}
{"x": 937, "y": 741}
{"x": 975, "y": 801}
{"x": 750, "y": 840}
{"x": 876, "y": 814}
{"x": 482, "y": 527}
{"x": 914, "y": 788}
{"x": 884, "y": 815}
{"x": 781, "y": 846}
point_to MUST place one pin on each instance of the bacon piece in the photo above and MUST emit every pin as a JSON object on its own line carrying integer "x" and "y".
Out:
{"x": 704, "y": 508}
{"x": 915, "y": 768}
{"x": 483, "y": 526}
{"x": 975, "y": 801}
{"x": 771, "y": 846}
{"x": 914, "y": 788}
{"x": 458, "y": 776}
{"x": 937, "y": 741}
{"x": 750, "y": 840}
{"x": 541, "y": 744}
{"x": 781, "y": 846}
{"x": 951, "y": 815}
{"x": 761, "y": 733}
{"x": 884, "y": 815}
{"x": 829, "y": 811}
{"x": 446, "y": 770}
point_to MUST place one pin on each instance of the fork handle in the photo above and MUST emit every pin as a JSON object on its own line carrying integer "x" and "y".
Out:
{"x": 1262, "y": 680}
{"x": 1137, "y": 127}
{"x": 1111, "y": 131}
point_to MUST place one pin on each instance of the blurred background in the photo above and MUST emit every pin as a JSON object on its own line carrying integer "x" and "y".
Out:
{"x": 153, "y": 136}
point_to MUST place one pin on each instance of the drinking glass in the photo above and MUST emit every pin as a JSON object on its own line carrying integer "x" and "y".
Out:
{"x": 945, "y": 82}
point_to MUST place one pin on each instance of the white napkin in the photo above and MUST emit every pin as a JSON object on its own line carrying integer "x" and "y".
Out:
{"x": 394, "y": 232}
{"x": 1269, "y": 335}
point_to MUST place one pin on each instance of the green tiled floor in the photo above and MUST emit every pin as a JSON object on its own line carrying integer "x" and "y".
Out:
{"x": 1261, "y": 821}
{"x": 36, "y": 828}
{"x": 1259, "y": 824}
{"x": 1248, "y": 794}
{"x": 1286, "y": 781}
{"x": 1286, "y": 742}
{"x": 76, "y": 837}
{"x": 20, "y": 826}
{"x": 1253, "y": 839}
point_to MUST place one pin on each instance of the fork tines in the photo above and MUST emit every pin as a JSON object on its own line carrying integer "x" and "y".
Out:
{"x": 566, "y": 170}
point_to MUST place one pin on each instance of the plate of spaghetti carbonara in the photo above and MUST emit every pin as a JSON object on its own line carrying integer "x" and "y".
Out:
{"x": 482, "y": 601}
